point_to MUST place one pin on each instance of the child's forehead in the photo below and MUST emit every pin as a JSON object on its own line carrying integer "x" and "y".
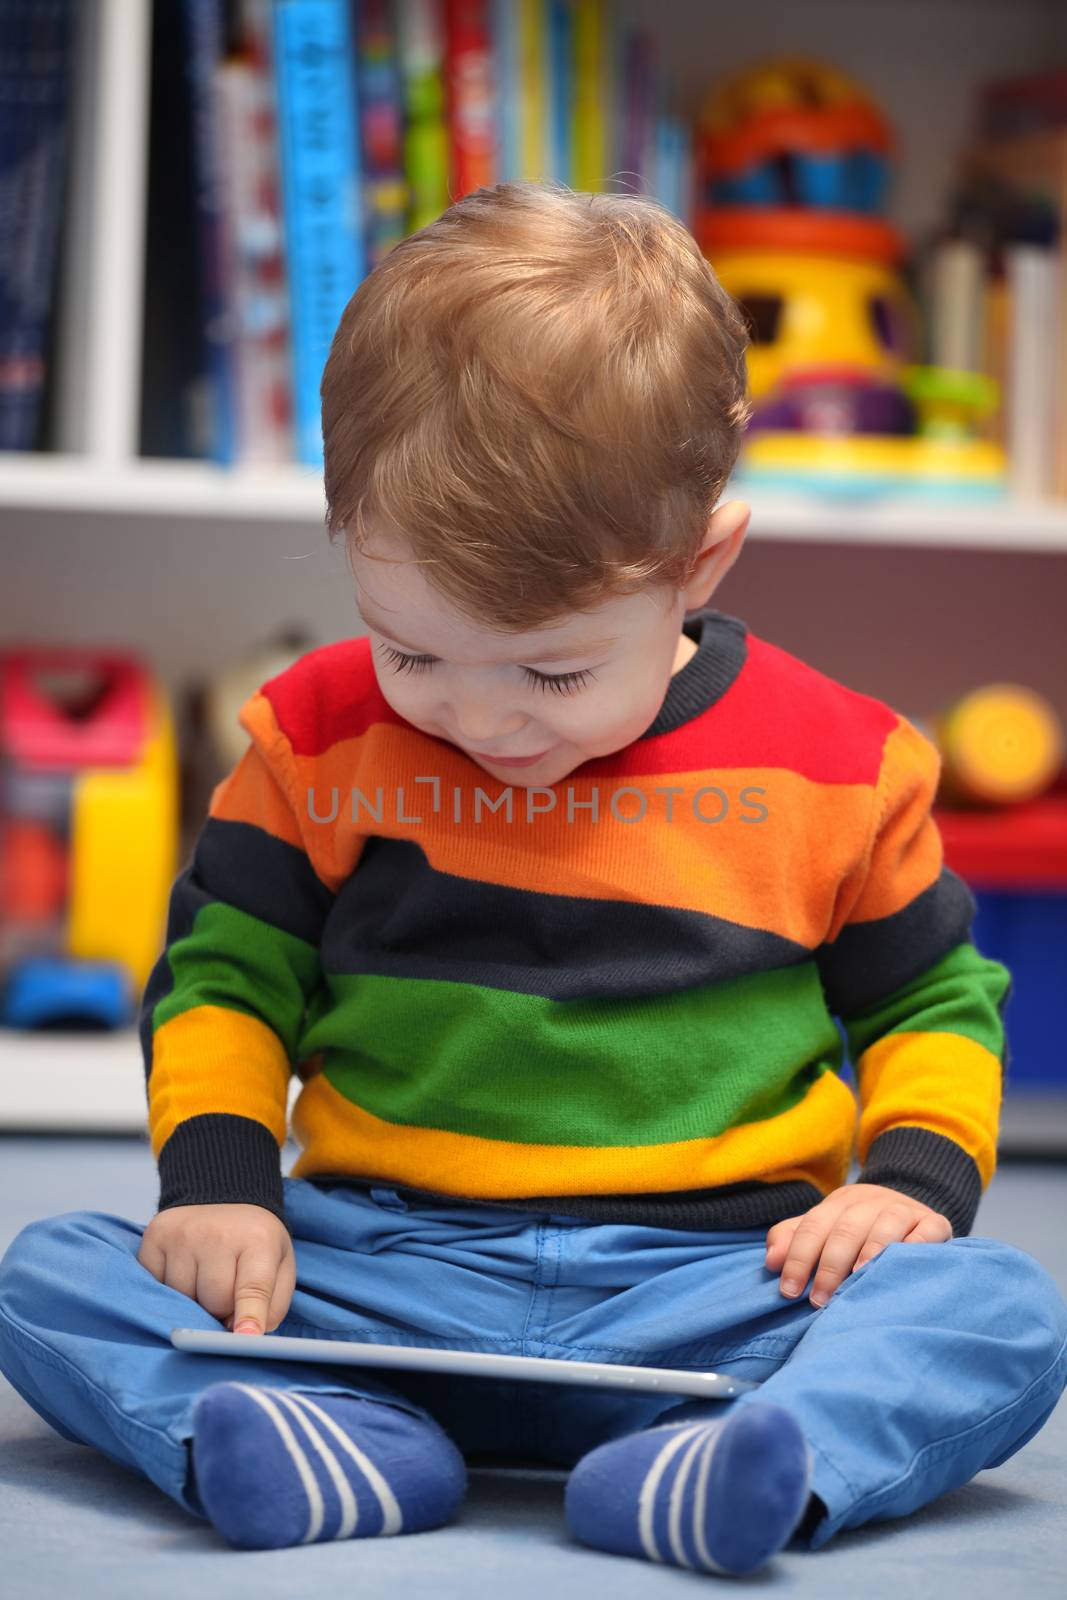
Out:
{"x": 397, "y": 602}
{"x": 409, "y": 629}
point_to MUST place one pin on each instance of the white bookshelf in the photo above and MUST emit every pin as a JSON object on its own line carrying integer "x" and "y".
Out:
{"x": 154, "y": 490}
{"x": 76, "y": 1082}
{"x": 194, "y": 565}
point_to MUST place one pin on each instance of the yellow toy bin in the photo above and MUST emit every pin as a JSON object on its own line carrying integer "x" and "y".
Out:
{"x": 89, "y": 803}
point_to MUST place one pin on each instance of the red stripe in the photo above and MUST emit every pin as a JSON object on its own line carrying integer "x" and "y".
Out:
{"x": 779, "y": 712}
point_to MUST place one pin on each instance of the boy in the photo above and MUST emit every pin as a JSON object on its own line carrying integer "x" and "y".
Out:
{"x": 550, "y": 889}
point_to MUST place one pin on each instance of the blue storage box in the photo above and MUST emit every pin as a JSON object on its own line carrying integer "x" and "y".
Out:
{"x": 1027, "y": 930}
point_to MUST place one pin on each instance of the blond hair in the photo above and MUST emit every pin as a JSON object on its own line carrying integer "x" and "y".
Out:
{"x": 542, "y": 395}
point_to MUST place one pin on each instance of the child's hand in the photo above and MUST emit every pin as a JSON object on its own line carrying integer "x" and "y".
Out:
{"x": 235, "y": 1260}
{"x": 845, "y": 1230}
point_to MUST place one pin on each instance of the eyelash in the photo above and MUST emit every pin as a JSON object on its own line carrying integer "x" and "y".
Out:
{"x": 559, "y": 683}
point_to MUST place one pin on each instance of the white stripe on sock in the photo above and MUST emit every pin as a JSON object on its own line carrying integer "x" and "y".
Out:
{"x": 298, "y": 1458}
{"x": 646, "y": 1504}
{"x": 392, "y": 1517}
{"x": 674, "y": 1522}
{"x": 349, "y": 1508}
{"x": 700, "y": 1500}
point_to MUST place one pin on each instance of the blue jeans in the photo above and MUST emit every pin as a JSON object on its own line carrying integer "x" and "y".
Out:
{"x": 929, "y": 1364}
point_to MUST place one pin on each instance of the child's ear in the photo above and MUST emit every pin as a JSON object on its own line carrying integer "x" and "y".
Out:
{"x": 721, "y": 547}
{"x": 729, "y": 521}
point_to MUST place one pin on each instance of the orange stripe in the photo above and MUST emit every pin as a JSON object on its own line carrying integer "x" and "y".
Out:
{"x": 908, "y": 854}
{"x": 251, "y": 794}
{"x": 758, "y": 874}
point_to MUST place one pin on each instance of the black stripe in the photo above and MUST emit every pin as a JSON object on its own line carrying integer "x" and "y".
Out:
{"x": 397, "y": 916}
{"x": 265, "y": 876}
{"x": 240, "y": 865}
{"x": 712, "y": 1210}
{"x": 870, "y": 960}
{"x": 929, "y": 1167}
{"x": 722, "y": 650}
{"x": 219, "y": 1158}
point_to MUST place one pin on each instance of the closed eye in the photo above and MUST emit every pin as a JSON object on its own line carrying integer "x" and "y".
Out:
{"x": 558, "y": 682}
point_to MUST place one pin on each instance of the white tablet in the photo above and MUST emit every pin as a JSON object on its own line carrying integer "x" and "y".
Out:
{"x": 469, "y": 1363}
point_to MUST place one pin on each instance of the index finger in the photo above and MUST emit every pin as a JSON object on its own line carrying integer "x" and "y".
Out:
{"x": 257, "y": 1270}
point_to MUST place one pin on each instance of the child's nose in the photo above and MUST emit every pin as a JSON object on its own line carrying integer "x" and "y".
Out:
{"x": 484, "y": 725}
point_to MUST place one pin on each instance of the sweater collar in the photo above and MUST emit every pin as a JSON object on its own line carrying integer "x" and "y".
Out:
{"x": 722, "y": 648}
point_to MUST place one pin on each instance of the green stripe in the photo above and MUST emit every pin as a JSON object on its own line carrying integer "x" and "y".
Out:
{"x": 234, "y": 960}
{"x": 962, "y": 993}
{"x": 497, "y": 1064}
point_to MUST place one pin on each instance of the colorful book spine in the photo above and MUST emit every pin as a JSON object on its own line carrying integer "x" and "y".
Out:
{"x": 321, "y": 184}
{"x": 592, "y": 97}
{"x": 381, "y": 126}
{"x": 422, "y": 72}
{"x": 259, "y": 291}
{"x": 469, "y": 77}
{"x": 996, "y": 338}
{"x": 35, "y": 82}
{"x": 559, "y": 76}
{"x": 956, "y": 279}
{"x": 669, "y": 185}
{"x": 533, "y": 89}
{"x": 204, "y": 25}
{"x": 1033, "y": 286}
{"x": 505, "y": 32}
{"x": 638, "y": 90}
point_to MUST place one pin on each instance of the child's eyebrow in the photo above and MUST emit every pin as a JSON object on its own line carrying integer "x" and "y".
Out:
{"x": 587, "y": 648}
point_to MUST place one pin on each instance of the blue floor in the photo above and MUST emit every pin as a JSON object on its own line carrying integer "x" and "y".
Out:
{"x": 73, "y": 1523}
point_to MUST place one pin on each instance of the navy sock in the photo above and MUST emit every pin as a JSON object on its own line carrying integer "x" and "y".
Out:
{"x": 276, "y": 1467}
{"x": 714, "y": 1496}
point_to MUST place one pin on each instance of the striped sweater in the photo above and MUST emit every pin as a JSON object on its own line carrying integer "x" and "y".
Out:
{"x": 617, "y": 998}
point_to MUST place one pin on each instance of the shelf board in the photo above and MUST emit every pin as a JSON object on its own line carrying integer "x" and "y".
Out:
{"x": 94, "y": 1083}
{"x": 195, "y": 489}
{"x": 76, "y": 1082}
{"x": 161, "y": 488}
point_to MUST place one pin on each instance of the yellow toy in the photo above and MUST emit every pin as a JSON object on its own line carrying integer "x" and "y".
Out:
{"x": 794, "y": 162}
{"x": 1000, "y": 744}
{"x": 88, "y": 833}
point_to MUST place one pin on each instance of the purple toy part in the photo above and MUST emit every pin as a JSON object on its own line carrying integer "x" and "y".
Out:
{"x": 837, "y": 404}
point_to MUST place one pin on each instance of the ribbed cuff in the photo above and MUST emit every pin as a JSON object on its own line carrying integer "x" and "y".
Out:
{"x": 928, "y": 1167}
{"x": 219, "y": 1158}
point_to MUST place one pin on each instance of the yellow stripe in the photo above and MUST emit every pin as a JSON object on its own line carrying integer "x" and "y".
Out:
{"x": 812, "y": 1142}
{"x": 941, "y": 1081}
{"x": 214, "y": 1059}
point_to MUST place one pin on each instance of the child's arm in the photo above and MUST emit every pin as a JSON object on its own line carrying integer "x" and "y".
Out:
{"x": 921, "y": 1007}
{"x": 224, "y": 1005}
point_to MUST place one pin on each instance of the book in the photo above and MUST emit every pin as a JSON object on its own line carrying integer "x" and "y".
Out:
{"x": 559, "y": 90}
{"x": 422, "y": 74}
{"x": 1034, "y": 165}
{"x": 315, "y": 80}
{"x": 36, "y": 65}
{"x": 955, "y": 293}
{"x": 217, "y": 394}
{"x": 258, "y": 287}
{"x": 591, "y": 134}
{"x": 1032, "y": 274}
{"x": 532, "y": 97}
{"x": 504, "y": 27}
{"x": 381, "y": 126}
{"x": 470, "y": 110}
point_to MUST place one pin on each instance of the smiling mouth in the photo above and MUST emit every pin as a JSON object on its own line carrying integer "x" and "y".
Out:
{"x": 489, "y": 755}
